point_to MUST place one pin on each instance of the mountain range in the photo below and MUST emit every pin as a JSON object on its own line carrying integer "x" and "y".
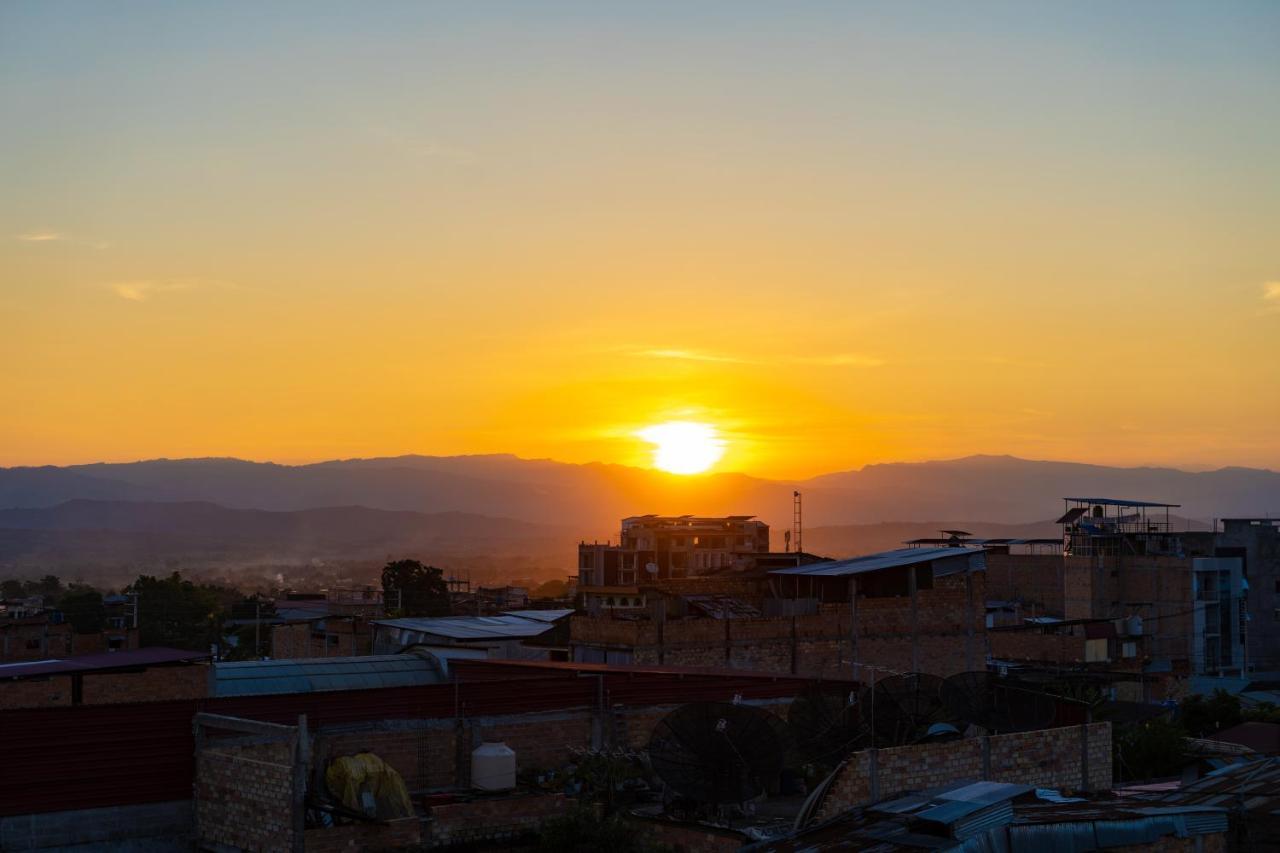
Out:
{"x": 504, "y": 507}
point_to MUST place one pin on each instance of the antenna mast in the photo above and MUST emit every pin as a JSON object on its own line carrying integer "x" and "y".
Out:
{"x": 796, "y": 526}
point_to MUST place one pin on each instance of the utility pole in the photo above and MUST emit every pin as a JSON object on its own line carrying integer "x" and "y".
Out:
{"x": 797, "y": 529}
{"x": 257, "y": 627}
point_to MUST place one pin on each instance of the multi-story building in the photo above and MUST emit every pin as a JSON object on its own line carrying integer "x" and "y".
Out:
{"x": 653, "y": 547}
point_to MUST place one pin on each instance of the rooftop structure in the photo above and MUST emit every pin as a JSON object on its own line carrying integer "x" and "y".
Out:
{"x": 1114, "y": 526}
{"x": 667, "y": 546}
{"x": 310, "y": 675}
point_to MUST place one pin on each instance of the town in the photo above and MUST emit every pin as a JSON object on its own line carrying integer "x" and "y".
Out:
{"x": 693, "y": 688}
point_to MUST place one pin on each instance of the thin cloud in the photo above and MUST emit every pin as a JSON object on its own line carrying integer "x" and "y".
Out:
{"x": 692, "y": 355}
{"x": 1271, "y": 296}
{"x": 844, "y": 359}
{"x": 39, "y": 236}
{"x": 143, "y": 291}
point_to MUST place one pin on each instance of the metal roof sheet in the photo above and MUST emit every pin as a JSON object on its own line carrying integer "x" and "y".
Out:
{"x": 507, "y": 626}
{"x": 150, "y": 656}
{"x": 309, "y": 675}
{"x": 540, "y": 615}
{"x": 1120, "y": 502}
{"x": 883, "y": 560}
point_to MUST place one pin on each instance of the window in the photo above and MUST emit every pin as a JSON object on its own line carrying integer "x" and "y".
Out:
{"x": 34, "y": 643}
{"x": 609, "y": 601}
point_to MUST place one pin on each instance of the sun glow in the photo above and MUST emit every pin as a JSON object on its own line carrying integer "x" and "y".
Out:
{"x": 683, "y": 447}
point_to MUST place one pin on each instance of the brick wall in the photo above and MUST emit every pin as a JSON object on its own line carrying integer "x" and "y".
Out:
{"x": 1048, "y": 758}
{"x": 153, "y": 684}
{"x": 493, "y": 819}
{"x": 435, "y": 754}
{"x": 244, "y": 794}
{"x": 818, "y": 645}
{"x": 1036, "y": 580}
{"x": 423, "y": 752}
{"x": 51, "y": 692}
{"x": 397, "y": 833}
{"x": 340, "y": 638}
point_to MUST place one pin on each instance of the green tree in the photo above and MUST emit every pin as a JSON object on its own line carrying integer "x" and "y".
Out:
{"x": 1202, "y": 717}
{"x": 550, "y": 589}
{"x": 82, "y": 606}
{"x": 176, "y": 612}
{"x": 419, "y": 590}
{"x": 12, "y": 588}
{"x": 1150, "y": 750}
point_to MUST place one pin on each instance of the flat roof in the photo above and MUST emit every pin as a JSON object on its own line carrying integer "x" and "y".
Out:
{"x": 311, "y": 675}
{"x": 876, "y": 562}
{"x": 1119, "y": 502}
{"x": 150, "y": 656}
{"x": 504, "y": 627}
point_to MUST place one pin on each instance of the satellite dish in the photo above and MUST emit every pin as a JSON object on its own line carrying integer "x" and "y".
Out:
{"x": 717, "y": 753}
{"x": 651, "y": 568}
{"x": 905, "y": 706}
{"x": 999, "y": 705}
{"x": 829, "y": 722}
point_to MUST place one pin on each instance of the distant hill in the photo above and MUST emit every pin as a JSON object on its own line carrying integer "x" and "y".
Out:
{"x": 83, "y": 534}
{"x": 588, "y": 500}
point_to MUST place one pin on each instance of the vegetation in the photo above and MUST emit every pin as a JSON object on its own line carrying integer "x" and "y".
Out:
{"x": 178, "y": 613}
{"x": 1150, "y": 750}
{"x": 49, "y": 587}
{"x": 418, "y": 590}
{"x": 1202, "y": 717}
{"x": 82, "y": 606}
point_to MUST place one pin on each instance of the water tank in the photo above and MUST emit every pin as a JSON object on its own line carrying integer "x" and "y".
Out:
{"x": 493, "y": 767}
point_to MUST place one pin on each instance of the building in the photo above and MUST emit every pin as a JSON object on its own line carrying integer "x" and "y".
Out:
{"x": 152, "y": 674}
{"x": 656, "y": 546}
{"x": 907, "y": 610}
{"x": 31, "y": 631}
{"x": 518, "y": 635}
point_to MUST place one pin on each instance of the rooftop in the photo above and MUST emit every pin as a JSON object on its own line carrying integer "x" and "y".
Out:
{"x": 883, "y": 560}
{"x": 150, "y": 656}
{"x": 505, "y": 626}
{"x": 311, "y": 675}
{"x": 1120, "y": 502}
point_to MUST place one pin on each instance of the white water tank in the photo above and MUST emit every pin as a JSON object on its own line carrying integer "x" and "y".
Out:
{"x": 493, "y": 767}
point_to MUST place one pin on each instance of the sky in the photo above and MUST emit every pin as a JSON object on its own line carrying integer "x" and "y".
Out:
{"x": 839, "y": 234}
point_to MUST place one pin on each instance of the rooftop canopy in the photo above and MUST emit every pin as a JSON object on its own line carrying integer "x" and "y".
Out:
{"x": 309, "y": 675}
{"x": 884, "y": 560}
{"x": 1120, "y": 502}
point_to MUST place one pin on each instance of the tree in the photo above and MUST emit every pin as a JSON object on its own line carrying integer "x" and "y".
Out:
{"x": 12, "y": 589}
{"x": 418, "y": 590}
{"x": 1150, "y": 750}
{"x": 82, "y": 606}
{"x": 550, "y": 589}
{"x": 1202, "y": 717}
{"x": 176, "y": 612}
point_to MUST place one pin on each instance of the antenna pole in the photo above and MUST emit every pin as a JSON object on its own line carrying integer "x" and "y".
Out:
{"x": 797, "y": 527}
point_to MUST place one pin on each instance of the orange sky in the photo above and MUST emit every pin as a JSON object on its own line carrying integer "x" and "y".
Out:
{"x": 842, "y": 236}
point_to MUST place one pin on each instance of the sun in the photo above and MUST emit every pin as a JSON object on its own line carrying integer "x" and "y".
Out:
{"x": 684, "y": 447}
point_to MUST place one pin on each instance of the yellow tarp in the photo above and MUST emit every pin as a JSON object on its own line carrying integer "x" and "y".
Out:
{"x": 350, "y": 776}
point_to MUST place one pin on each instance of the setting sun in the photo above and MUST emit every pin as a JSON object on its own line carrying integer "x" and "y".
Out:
{"x": 681, "y": 447}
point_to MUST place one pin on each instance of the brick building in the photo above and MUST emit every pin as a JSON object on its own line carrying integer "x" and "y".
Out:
{"x": 153, "y": 674}
{"x": 905, "y": 610}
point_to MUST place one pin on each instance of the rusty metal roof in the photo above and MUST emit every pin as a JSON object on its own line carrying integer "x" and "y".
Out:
{"x": 150, "y": 656}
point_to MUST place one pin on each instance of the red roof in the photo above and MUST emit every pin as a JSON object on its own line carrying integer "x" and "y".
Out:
{"x": 151, "y": 656}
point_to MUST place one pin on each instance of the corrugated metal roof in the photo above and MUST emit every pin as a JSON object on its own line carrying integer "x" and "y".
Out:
{"x": 150, "y": 656}
{"x": 506, "y": 626}
{"x": 540, "y": 615}
{"x": 309, "y": 675}
{"x": 1120, "y": 502}
{"x": 887, "y": 560}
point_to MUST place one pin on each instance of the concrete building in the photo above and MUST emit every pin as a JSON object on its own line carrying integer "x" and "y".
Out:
{"x": 906, "y": 610}
{"x": 655, "y": 546}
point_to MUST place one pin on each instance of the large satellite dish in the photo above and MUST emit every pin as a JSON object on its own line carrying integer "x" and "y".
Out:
{"x": 718, "y": 753}
{"x": 999, "y": 705}
{"x": 828, "y": 722}
{"x": 908, "y": 709}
